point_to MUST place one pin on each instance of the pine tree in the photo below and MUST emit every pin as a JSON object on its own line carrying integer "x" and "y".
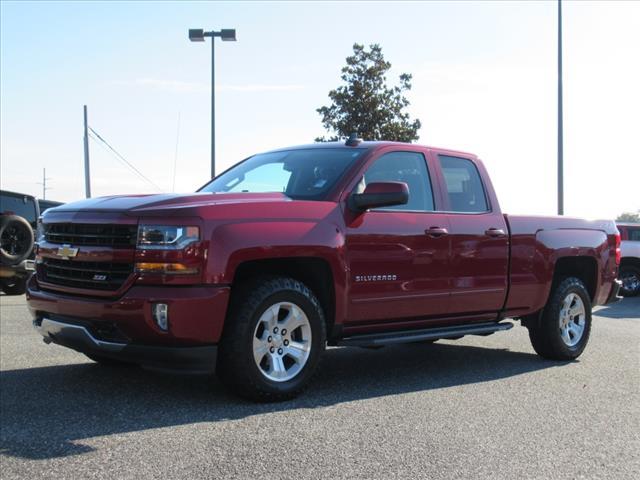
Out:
{"x": 365, "y": 104}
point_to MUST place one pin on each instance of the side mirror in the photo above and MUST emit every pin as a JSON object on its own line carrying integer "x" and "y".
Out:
{"x": 381, "y": 194}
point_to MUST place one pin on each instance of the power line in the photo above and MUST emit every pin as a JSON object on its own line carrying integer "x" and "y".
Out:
{"x": 133, "y": 169}
{"x": 96, "y": 136}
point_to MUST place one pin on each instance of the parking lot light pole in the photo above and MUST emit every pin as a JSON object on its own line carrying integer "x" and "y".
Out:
{"x": 226, "y": 35}
{"x": 560, "y": 119}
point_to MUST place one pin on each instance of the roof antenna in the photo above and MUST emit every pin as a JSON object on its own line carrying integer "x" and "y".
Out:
{"x": 353, "y": 140}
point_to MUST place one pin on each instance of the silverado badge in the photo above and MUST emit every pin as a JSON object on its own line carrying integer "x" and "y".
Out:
{"x": 66, "y": 252}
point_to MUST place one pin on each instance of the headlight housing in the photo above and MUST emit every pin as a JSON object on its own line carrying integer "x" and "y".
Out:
{"x": 166, "y": 237}
{"x": 39, "y": 231}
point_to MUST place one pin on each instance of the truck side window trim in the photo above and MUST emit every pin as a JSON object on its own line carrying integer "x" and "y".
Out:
{"x": 479, "y": 179}
{"x": 428, "y": 186}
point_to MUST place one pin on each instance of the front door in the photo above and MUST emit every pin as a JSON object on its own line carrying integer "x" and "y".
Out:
{"x": 398, "y": 256}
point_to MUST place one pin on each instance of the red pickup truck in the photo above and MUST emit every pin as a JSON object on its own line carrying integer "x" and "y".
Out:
{"x": 351, "y": 244}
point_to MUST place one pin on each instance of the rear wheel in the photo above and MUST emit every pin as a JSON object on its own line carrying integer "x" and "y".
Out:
{"x": 562, "y": 331}
{"x": 272, "y": 341}
{"x": 630, "y": 276}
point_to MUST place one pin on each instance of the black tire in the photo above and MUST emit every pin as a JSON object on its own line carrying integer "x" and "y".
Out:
{"x": 111, "y": 362}
{"x": 630, "y": 276}
{"x": 16, "y": 239}
{"x": 18, "y": 287}
{"x": 236, "y": 366}
{"x": 545, "y": 332}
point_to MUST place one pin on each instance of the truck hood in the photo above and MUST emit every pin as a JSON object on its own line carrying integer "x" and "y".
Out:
{"x": 146, "y": 203}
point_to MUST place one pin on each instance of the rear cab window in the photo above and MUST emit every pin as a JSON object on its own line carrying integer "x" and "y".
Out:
{"x": 463, "y": 184}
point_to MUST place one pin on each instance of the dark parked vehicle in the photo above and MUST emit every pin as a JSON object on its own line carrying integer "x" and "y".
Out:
{"x": 47, "y": 204}
{"x": 358, "y": 244}
{"x": 630, "y": 263}
{"x": 18, "y": 220}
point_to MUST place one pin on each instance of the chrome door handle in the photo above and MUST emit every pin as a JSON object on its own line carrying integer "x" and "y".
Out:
{"x": 495, "y": 232}
{"x": 436, "y": 231}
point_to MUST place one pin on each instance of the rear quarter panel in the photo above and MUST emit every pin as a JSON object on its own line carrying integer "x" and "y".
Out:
{"x": 537, "y": 243}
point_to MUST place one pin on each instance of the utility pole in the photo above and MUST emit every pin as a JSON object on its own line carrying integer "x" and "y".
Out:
{"x": 560, "y": 133}
{"x": 87, "y": 175}
{"x": 44, "y": 184}
{"x": 213, "y": 108}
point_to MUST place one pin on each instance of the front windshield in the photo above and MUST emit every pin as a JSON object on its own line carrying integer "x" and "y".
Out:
{"x": 306, "y": 174}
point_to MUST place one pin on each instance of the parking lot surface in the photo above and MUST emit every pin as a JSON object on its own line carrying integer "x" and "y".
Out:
{"x": 473, "y": 408}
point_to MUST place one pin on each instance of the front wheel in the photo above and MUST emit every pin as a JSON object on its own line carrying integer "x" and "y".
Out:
{"x": 272, "y": 341}
{"x": 563, "y": 329}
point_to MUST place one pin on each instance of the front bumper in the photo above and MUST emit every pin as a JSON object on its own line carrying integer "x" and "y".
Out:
{"x": 22, "y": 269}
{"x": 78, "y": 337}
{"x": 123, "y": 328}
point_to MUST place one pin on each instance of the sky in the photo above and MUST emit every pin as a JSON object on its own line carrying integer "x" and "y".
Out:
{"x": 484, "y": 81}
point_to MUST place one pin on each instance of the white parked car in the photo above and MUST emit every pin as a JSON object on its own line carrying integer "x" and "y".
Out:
{"x": 630, "y": 264}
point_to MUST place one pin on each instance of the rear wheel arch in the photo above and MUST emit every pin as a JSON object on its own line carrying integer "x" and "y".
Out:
{"x": 581, "y": 267}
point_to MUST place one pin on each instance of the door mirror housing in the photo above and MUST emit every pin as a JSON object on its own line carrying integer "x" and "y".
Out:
{"x": 380, "y": 194}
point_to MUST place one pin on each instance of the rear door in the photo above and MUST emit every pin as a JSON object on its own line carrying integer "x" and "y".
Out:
{"x": 479, "y": 239}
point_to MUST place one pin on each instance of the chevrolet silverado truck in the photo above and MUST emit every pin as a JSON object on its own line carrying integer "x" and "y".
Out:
{"x": 342, "y": 244}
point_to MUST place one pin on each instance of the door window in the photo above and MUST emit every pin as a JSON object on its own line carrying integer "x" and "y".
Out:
{"x": 464, "y": 187}
{"x": 407, "y": 167}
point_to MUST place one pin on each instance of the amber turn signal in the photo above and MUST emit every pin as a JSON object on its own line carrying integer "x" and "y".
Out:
{"x": 164, "y": 268}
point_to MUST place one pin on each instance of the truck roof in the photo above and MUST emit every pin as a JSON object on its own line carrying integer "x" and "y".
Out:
{"x": 369, "y": 145}
{"x": 16, "y": 194}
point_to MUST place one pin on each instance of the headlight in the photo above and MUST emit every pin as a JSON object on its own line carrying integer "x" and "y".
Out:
{"x": 166, "y": 237}
{"x": 40, "y": 231}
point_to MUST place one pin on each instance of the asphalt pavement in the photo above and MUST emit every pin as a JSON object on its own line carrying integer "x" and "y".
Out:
{"x": 480, "y": 407}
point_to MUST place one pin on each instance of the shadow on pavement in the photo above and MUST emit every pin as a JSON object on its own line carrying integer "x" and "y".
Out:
{"x": 45, "y": 411}
{"x": 628, "y": 308}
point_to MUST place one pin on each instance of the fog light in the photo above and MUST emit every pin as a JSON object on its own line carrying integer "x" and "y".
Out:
{"x": 160, "y": 313}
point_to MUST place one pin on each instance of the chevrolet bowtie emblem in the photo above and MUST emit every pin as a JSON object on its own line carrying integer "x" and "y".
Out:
{"x": 66, "y": 252}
